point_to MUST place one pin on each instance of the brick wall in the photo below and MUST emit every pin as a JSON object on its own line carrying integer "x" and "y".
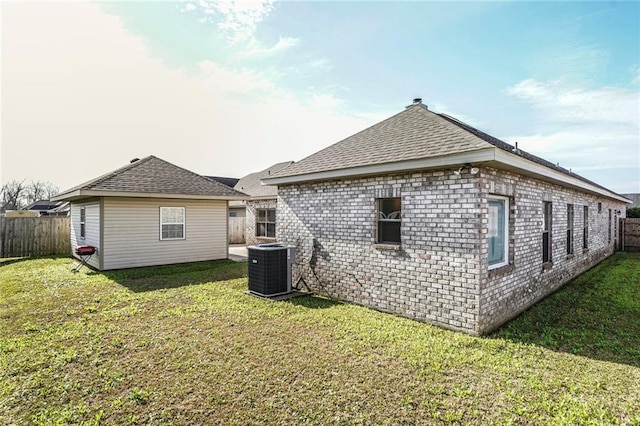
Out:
{"x": 507, "y": 292}
{"x": 433, "y": 277}
{"x": 439, "y": 274}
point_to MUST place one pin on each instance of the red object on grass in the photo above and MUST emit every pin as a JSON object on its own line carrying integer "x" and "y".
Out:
{"x": 85, "y": 250}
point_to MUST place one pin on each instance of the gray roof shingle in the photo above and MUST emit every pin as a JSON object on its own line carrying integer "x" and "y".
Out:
{"x": 250, "y": 184}
{"x": 411, "y": 134}
{"x": 156, "y": 176}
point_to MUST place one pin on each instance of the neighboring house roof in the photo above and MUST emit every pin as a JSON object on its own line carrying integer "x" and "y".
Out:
{"x": 419, "y": 139}
{"x": 230, "y": 182}
{"x": 151, "y": 177}
{"x": 635, "y": 199}
{"x": 251, "y": 183}
{"x": 43, "y": 205}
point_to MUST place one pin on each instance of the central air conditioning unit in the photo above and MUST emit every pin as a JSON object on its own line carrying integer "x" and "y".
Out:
{"x": 270, "y": 269}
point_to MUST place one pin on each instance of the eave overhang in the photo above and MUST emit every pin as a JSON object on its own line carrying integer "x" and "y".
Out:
{"x": 493, "y": 157}
{"x": 80, "y": 194}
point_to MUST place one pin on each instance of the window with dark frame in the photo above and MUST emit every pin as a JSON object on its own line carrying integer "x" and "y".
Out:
{"x": 569, "y": 228}
{"x": 83, "y": 222}
{"x": 599, "y": 207}
{"x": 172, "y": 223}
{"x": 546, "y": 232}
{"x": 266, "y": 223}
{"x": 585, "y": 228}
{"x": 609, "y": 226}
{"x": 389, "y": 220}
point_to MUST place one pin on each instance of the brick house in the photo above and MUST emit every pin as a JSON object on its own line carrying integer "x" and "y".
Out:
{"x": 260, "y": 213}
{"x": 426, "y": 217}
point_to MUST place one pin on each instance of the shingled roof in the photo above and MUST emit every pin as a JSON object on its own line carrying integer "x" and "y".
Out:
{"x": 152, "y": 176}
{"x": 413, "y": 133}
{"x": 419, "y": 139}
{"x": 250, "y": 184}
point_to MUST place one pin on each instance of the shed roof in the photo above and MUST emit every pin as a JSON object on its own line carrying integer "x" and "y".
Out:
{"x": 151, "y": 176}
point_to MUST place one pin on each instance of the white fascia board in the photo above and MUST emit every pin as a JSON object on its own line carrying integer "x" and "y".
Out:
{"x": 477, "y": 156}
{"x": 514, "y": 161}
{"x": 86, "y": 193}
{"x": 493, "y": 156}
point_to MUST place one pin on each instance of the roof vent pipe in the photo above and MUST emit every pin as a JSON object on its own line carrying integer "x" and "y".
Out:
{"x": 417, "y": 101}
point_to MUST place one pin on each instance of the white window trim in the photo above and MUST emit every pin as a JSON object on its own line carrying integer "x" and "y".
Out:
{"x": 266, "y": 222}
{"x": 83, "y": 223}
{"x": 183, "y": 223}
{"x": 506, "y": 231}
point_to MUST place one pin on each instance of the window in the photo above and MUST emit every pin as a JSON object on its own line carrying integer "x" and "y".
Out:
{"x": 233, "y": 214}
{"x": 585, "y": 228}
{"x": 599, "y": 207}
{"x": 172, "y": 223}
{"x": 389, "y": 220}
{"x": 547, "y": 232}
{"x": 609, "y": 226}
{"x": 498, "y": 231}
{"x": 569, "y": 228}
{"x": 266, "y": 223}
{"x": 83, "y": 222}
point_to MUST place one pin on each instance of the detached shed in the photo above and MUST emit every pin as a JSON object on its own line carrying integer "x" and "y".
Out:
{"x": 150, "y": 212}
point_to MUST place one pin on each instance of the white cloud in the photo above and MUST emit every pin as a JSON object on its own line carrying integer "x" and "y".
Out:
{"x": 236, "y": 18}
{"x": 256, "y": 49}
{"x": 562, "y": 103}
{"x": 595, "y": 132}
{"x": 81, "y": 97}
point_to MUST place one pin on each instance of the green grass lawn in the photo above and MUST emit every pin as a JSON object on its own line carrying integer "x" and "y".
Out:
{"x": 185, "y": 345}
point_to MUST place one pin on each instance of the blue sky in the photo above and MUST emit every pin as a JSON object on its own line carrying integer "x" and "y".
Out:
{"x": 229, "y": 88}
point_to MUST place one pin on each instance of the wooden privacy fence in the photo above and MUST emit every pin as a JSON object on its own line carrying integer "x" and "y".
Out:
{"x": 34, "y": 236}
{"x": 630, "y": 233}
{"x": 236, "y": 230}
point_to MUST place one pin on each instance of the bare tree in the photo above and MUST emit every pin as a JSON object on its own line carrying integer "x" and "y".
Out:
{"x": 16, "y": 194}
{"x": 50, "y": 190}
{"x": 13, "y": 195}
{"x": 38, "y": 190}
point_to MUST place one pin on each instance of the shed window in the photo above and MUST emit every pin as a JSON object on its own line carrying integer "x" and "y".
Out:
{"x": 610, "y": 222}
{"x": 569, "y": 228}
{"x": 546, "y": 232}
{"x": 389, "y": 219}
{"x": 266, "y": 223}
{"x": 498, "y": 231}
{"x": 83, "y": 222}
{"x": 172, "y": 221}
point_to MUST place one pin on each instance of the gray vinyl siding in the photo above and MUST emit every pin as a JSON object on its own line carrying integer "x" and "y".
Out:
{"x": 92, "y": 229}
{"x": 132, "y": 232}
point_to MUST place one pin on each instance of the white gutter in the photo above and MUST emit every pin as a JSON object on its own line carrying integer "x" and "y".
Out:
{"x": 87, "y": 193}
{"x": 480, "y": 155}
{"x": 493, "y": 156}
